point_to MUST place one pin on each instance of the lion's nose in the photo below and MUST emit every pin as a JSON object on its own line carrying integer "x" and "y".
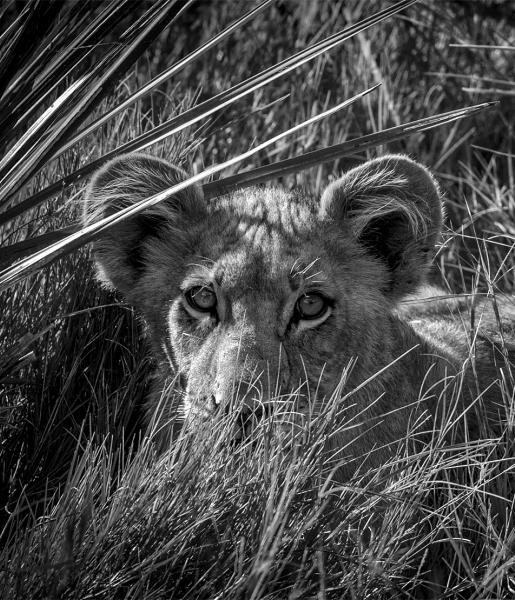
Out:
{"x": 244, "y": 416}
{"x": 214, "y": 402}
{"x": 204, "y": 406}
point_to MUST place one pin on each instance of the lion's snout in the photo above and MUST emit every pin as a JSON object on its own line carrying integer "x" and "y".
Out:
{"x": 240, "y": 369}
{"x": 242, "y": 415}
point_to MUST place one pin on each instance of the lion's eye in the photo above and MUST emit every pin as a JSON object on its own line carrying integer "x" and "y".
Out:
{"x": 311, "y": 306}
{"x": 201, "y": 298}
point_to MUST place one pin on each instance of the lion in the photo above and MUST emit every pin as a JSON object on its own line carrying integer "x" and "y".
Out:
{"x": 262, "y": 292}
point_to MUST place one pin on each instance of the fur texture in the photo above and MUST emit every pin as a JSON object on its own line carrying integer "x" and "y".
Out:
{"x": 260, "y": 255}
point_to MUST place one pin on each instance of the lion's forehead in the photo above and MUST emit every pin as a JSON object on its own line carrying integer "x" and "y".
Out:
{"x": 261, "y": 240}
{"x": 264, "y": 271}
{"x": 258, "y": 214}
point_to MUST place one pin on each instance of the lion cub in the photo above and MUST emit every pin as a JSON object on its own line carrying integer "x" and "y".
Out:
{"x": 263, "y": 292}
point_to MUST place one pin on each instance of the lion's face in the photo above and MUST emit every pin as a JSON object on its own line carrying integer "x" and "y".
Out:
{"x": 270, "y": 303}
{"x": 262, "y": 293}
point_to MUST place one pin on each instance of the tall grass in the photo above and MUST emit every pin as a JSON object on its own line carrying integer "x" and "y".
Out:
{"x": 261, "y": 519}
{"x": 89, "y": 509}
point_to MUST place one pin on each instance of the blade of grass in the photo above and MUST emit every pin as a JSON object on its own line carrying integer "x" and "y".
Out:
{"x": 497, "y": 91}
{"x": 36, "y": 127}
{"x": 44, "y": 73}
{"x": 167, "y": 74}
{"x": 277, "y": 169}
{"x": 15, "y": 251}
{"x": 15, "y": 48}
{"x": 496, "y": 152}
{"x": 52, "y": 56}
{"x": 482, "y": 47}
{"x": 16, "y": 174}
{"x": 204, "y": 109}
{"x": 56, "y": 65}
{"x": 349, "y": 147}
{"x": 34, "y": 262}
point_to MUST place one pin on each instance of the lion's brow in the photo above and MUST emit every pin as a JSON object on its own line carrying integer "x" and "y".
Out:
{"x": 301, "y": 272}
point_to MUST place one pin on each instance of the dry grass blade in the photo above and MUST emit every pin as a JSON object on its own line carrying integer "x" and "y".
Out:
{"x": 46, "y": 71}
{"x": 206, "y": 108}
{"x": 162, "y": 77}
{"x": 44, "y": 55}
{"x": 482, "y": 47}
{"x": 11, "y": 253}
{"x": 35, "y": 129}
{"x": 311, "y": 159}
{"x": 17, "y": 41}
{"x": 277, "y": 169}
{"x": 35, "y": 152}
{"x": 11, "y": 275}
{"x": 496, "y": 152}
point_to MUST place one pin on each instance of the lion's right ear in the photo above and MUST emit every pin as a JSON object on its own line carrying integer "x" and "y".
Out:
{"x": 120, "y": 252}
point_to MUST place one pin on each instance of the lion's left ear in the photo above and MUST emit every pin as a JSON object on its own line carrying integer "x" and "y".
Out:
{"x": 392, "y": 206}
